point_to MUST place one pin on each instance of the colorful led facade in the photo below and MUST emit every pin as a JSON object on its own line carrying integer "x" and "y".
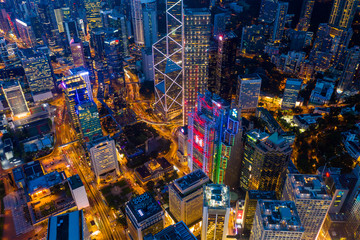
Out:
{"x": 212, "y": 128}
{"x": 168, "y": 64}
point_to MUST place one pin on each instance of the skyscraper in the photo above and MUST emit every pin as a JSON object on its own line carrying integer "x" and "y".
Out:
{"x": 26, "y": 33}
{"x": 38, "y": 74}
{"x": 265, "y": 162}
{"x": 342, "y": 13}
{"x": 77, "y": 52}
{"x": 93, "y": 17}
{"x": 144, "y": 216}
{"x": 276, "y": 220}
{"x": 186, "y": 197}
{"x": 103, "y": 158}
{"x": 216, "y": 212}
{"x": 137, "y": 21}
{"x": 15, "y": 98}
{"x": 84, "y": 75}
{"x": 88, "y": 116}
{"x": 177, "y": 231}
{"x": 212, "y": 130}
{"x": 347, "y": 76}
{"x": 150, "y": 23}
{"x": 168, "y": 64}
{"x": 291, "y": 93}
{"x": 248, "y": 92}
{"x": 305, "y": 15}
{"x": 196, "y": 56}
{"x": 280, "y": 20}
{"x": 311, "y": 199}
{"x": 268, "y": 9}
{"x": 225, "y": 65}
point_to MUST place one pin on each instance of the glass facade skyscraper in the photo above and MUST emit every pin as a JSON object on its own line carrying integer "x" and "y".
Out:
{"x": 89, "y": 121}
{"x": 291, "y": 93}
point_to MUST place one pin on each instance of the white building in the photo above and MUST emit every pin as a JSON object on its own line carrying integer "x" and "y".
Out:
{"x": 78, "y": 192}
{"x": 216, "y": 212}
{"x": 276, "y": 220}
{"x": 103, "y": 158}
{"x": 311, "y": 199}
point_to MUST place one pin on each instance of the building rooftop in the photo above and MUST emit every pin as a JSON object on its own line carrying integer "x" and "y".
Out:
{"x": 178, "y": 231}
{"x": 33, "y": 170}
{"x": 66, "y": 226}
{"x": 143, "y": 206}
{"x": 97, "y": 141}
{"x": 309, "y": 187}
{"x": 216, "y": 196}
{"x": 45, "y": 181}
{"x": 248, "y": 77}
{"x": 78, "y": 71}
{"x": 256, "y": 194}
{"x": 280, "y": 216}
{"x": 257, "y": 135}
{"x": 196, "y": 11}
{"x": 75, "y": 182}
{"x": 191, "y": 181}
{"x": 18, "y": 174}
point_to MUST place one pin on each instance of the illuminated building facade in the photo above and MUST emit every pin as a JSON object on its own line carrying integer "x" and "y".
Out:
{"x": 77, "y": 52}
{"x": 311, "y": 199}
{"x": 346, "y": 83}
{"x": 137, "y": 21}
{"x": 186, "y": 197}
{"x": 196, "y": 57}
{"x": 253, "y": 39}
{"x": 144, "y": 216}
{"x": 38, "y": 73}
{"x": 291, "y": 92}
{"x": 168, "y": 64}
{"x": 248, "y": 92}
{"x": 15, "y": 98}
{"x": 280, "y": 20}
{"x": 88, "y": 116}
{"x": 305, "y": 15}
{"x": 212, "y": 129}
{"x": 265, "y": 162}
{"x": 216, "y": 212}
{"x": 26, "y": 33}
{"x": 84, "y": 75}
{"x": 93, "y": 16}
{"x": 118, "y": 21}
{"x": 251, "y": 202}
{"x": 276, "y": 220}
{"x": 225, "y": 65}
{"x": 103, "y": 158}
{"x": 114, "y": 61}
{"x": 342, "y": 13}
{"x": 150, "y": 23}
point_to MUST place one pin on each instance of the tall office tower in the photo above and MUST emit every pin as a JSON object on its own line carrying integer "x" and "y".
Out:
{"x": 77, "y": 52}
{"x": 196, "y": 56}
{"x": 150, "y": 23}
{"x": 70, "y": 225}
{"x": 216, "y": 212}
{"x": 311, "y": 200}
{"x": 268, "y": 9}
{"x": 15, "y": 98}
{"x": 114, "y": 61}
{"x": 137, "y": 21}
{"x": 118, "y": 21}
{"x": 305, "y": 15}
{"x": 251, "y": 201}
{"x": 225, "y": 65}
{"x": 103, "y": 158}
{"x": 9, "y": 54}
{"x": 84, "y": 75}
{"x": 186, "y": 197}
{"x": 46, "y": 14}
{"x": 266, "y": 159}
{"x": 88, "y": 116}
{"x": 220, "y": 20}
{"x": 98, "y": 37}
{"x": 144, "y": 216}
{"x": 342, "y": 13}
{"x": 168, "y": 64}
{"x": 26, "y": 33}
{"x": 38, "y": 73}
{"x": 212, "y": 130}
{"x": 71, "y": 30}
{"x": 93, "y": 17}
{"x": 59, "y": 19}
{"x": 292, "y": 89}
{"x": 177, "y": 231}
{"x": 280, "y": 20}
{"x": 147, "y": 64}
{"x": 253, "y": 39}
{"x": 351, "y": 65}
{"x": 248, "y": 92}
{"x": 276, "y": 220}
{"x": 213, "y": 49}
